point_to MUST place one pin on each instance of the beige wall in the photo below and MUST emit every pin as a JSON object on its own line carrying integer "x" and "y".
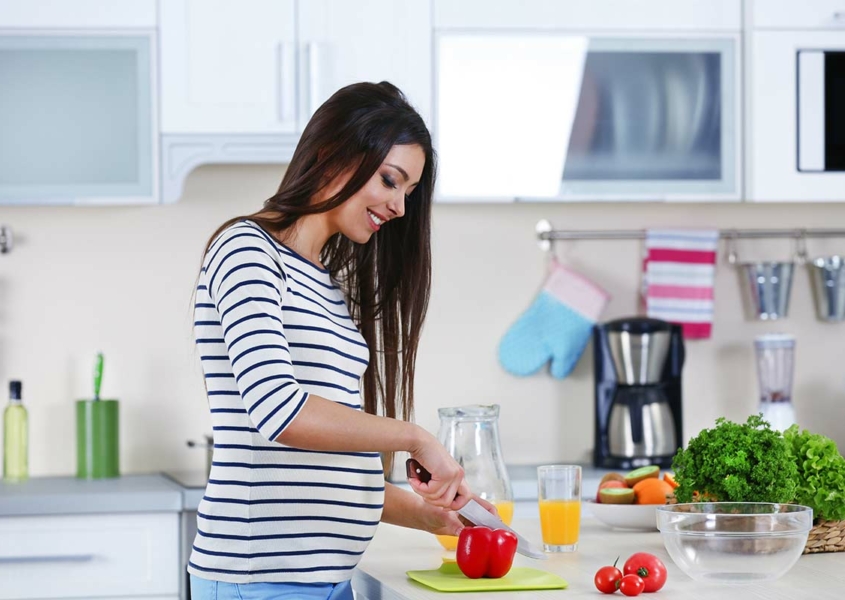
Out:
{"x": 120, "y": 279}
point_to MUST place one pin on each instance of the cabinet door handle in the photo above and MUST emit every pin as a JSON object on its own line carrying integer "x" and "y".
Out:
{"x": 312, "y": 50}
{"x": 286, "y": 84}
{"x": 76, "y": 558}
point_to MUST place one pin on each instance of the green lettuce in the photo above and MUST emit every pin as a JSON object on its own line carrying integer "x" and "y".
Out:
{"x": 735, "y": 462}
{"x": 821, "y": 473}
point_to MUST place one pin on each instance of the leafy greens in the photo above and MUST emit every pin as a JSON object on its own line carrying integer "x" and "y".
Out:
{"x": 821, "y": 473}
{"x": 735, "y": 462}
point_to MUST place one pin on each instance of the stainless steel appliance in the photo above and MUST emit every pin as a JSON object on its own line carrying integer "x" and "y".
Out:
{"x": 638, "y": 363}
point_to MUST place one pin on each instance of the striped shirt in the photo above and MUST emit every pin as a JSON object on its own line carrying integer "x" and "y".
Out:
{"x": 272, "y": 328}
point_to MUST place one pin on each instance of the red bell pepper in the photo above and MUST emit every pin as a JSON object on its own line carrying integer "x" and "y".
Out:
{"x": 485, "y": 552}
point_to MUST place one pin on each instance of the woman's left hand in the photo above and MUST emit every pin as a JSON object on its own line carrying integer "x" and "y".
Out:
{"x": 441, "y": 521}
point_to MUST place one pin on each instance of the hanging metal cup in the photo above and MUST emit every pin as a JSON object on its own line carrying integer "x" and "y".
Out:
{"x": 827, "y": 277}
{"x": 766, "y": 285}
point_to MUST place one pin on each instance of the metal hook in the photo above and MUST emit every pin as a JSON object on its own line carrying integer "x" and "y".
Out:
{"x": 6, "y": 239}
{"x": 543, "y": 228}
{"x": 801, "y": 247}
{"x": 733, "y": 255}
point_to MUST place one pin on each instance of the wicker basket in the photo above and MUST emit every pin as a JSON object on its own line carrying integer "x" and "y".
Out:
{"x": 826, "y": 536}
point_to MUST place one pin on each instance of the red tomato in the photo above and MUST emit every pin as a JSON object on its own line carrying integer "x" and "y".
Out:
{"x": 631, "y": 585}
{"x": 607, "y": 579}
{"x": 485, "y": 552}
{"x": 649, "y": 567}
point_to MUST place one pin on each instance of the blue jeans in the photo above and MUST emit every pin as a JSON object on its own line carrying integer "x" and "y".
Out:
{"x": 204, "y": 589}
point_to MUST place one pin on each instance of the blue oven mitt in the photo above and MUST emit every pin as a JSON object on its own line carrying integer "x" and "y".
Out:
{"x": 556, "y": 327}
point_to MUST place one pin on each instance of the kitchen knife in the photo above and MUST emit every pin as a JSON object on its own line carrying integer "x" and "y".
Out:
{"x": 476, "y": 514}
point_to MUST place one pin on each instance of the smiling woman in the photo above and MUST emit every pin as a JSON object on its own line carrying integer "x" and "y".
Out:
{"x": 307, "y": 317}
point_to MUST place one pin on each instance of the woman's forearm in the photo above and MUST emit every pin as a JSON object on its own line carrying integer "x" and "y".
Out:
{"x": 403, "y": 508}
{"x": 325, "y": 425}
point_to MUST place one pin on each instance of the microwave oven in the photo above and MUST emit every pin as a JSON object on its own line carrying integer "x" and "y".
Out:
{"x": 796, "y": 116}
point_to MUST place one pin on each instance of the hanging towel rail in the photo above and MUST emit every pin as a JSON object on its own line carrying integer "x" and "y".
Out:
{"x": 546, "y": 234}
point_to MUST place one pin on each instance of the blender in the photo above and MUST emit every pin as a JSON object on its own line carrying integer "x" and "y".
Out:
{"x": 775, "y": 364}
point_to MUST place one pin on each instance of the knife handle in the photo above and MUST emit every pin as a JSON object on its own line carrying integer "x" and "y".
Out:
{"x": 414, "y": 470}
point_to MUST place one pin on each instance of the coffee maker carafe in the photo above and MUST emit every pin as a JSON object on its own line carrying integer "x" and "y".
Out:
{"x": 638, "y": 363}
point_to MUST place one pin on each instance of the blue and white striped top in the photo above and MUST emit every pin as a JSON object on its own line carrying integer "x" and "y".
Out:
{"x": 272, "y": 328}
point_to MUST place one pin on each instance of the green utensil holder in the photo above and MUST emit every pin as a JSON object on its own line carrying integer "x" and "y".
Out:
{"x": 97, "y": 439}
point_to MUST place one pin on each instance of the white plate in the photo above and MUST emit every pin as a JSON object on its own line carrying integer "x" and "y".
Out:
{"x": 624, "y": 516}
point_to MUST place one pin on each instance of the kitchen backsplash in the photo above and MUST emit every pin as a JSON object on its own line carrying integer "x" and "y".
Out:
{"x": 119, "y": 280}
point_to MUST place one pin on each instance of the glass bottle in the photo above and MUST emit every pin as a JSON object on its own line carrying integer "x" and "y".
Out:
{"x": 15, "y": 463}
{"x": 471, "y": 435}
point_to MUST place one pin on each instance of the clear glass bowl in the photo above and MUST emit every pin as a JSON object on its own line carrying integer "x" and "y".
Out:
{"x": 734, "y": 542}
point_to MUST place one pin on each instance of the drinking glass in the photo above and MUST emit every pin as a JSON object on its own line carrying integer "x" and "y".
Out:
{"x": 560, "y": 506}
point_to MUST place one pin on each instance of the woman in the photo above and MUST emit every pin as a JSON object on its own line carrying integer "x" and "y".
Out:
{"x": 325, "y": 286}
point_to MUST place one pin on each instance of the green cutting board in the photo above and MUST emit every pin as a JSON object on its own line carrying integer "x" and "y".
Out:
{"x": 448, "y": 578}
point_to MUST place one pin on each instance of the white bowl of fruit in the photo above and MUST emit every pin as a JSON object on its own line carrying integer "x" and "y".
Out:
{"x": 628, "y": 501}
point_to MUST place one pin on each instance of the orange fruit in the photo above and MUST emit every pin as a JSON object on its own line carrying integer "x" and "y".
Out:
{"x": 668, "y": 478}
{"x": 652, "y": 491}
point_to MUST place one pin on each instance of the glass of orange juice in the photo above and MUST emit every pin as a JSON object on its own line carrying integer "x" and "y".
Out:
{"x": 560, "y": 506}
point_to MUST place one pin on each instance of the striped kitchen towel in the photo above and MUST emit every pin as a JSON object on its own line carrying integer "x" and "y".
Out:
{"x": 679, "y": 269}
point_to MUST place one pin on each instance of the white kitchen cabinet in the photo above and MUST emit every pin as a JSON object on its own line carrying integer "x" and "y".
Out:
{"x": 241, "y": 79}
{"x": 78, "y": 116}
{"x": 622, "y": 15}
{"x": 264, "y": 66}
{"x": 125, "y": 556}
{"x": 228, "y": 67}
{"x": 601, "y": 115}
{"x": 792, "y": 15}
{"x": 797, "y": 131}
{"x": 345, "y": 42}
{"x": 77, "y": 14}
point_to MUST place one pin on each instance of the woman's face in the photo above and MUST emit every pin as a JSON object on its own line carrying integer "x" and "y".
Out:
{"x": 382, "y": 198}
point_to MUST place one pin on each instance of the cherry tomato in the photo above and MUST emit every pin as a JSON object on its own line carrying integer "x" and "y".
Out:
{"x": 607, "y": 579}
{"x": 632, "y": 585}
{"x": 649, "y": 567}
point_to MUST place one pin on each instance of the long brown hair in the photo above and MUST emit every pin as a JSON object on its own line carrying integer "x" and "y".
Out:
{"x": 387, "y": 280}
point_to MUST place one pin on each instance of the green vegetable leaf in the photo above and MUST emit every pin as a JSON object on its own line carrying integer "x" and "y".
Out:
{"x": 821, "y": 473}
{"x": 734, "y": 462}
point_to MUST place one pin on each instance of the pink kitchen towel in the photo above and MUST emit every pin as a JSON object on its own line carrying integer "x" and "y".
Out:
{"x": 679, "y": 269}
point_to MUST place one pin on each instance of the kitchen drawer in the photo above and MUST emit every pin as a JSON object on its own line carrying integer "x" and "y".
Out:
{"x": 90, "y": 556}
{"x": 789, "y": 14}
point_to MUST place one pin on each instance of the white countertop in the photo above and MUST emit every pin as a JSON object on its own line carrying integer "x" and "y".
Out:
{"x": 395, "y": 550}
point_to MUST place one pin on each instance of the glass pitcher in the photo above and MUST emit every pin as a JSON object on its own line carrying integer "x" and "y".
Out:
{"x": 471, "y": 435}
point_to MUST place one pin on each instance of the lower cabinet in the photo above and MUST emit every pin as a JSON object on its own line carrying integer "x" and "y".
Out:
{"x": 126, "y": 556}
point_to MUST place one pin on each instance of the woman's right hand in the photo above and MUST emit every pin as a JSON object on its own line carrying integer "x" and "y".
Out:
{"x": 447, "y": 487}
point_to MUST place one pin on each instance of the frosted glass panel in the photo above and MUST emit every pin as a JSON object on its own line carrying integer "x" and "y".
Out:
{"x": 648, "y": 115}
{"x": 75, "y": 117}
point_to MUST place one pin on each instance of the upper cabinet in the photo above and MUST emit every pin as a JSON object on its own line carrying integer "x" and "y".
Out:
{"x": 796, "y": 95}
{"x": 228, "y": 67}
{"x": 78, "y": 103}
{"x": 240, "y": 80}
{"x": 343, "y": 42}
{"x": 601, "y": 102}
{"x": 117, "y": 101}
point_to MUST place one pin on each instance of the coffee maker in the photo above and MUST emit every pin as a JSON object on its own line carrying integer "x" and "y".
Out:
{"x": 638, "y": 363}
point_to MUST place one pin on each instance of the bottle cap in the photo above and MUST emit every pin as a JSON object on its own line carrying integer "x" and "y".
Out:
{"x": 15, "y": 390}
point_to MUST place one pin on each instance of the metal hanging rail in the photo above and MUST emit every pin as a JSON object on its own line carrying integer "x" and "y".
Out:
{"x": 547, "y": 234}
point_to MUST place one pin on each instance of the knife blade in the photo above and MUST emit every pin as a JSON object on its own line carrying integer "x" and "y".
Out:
{"x": 476, "y": 514}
